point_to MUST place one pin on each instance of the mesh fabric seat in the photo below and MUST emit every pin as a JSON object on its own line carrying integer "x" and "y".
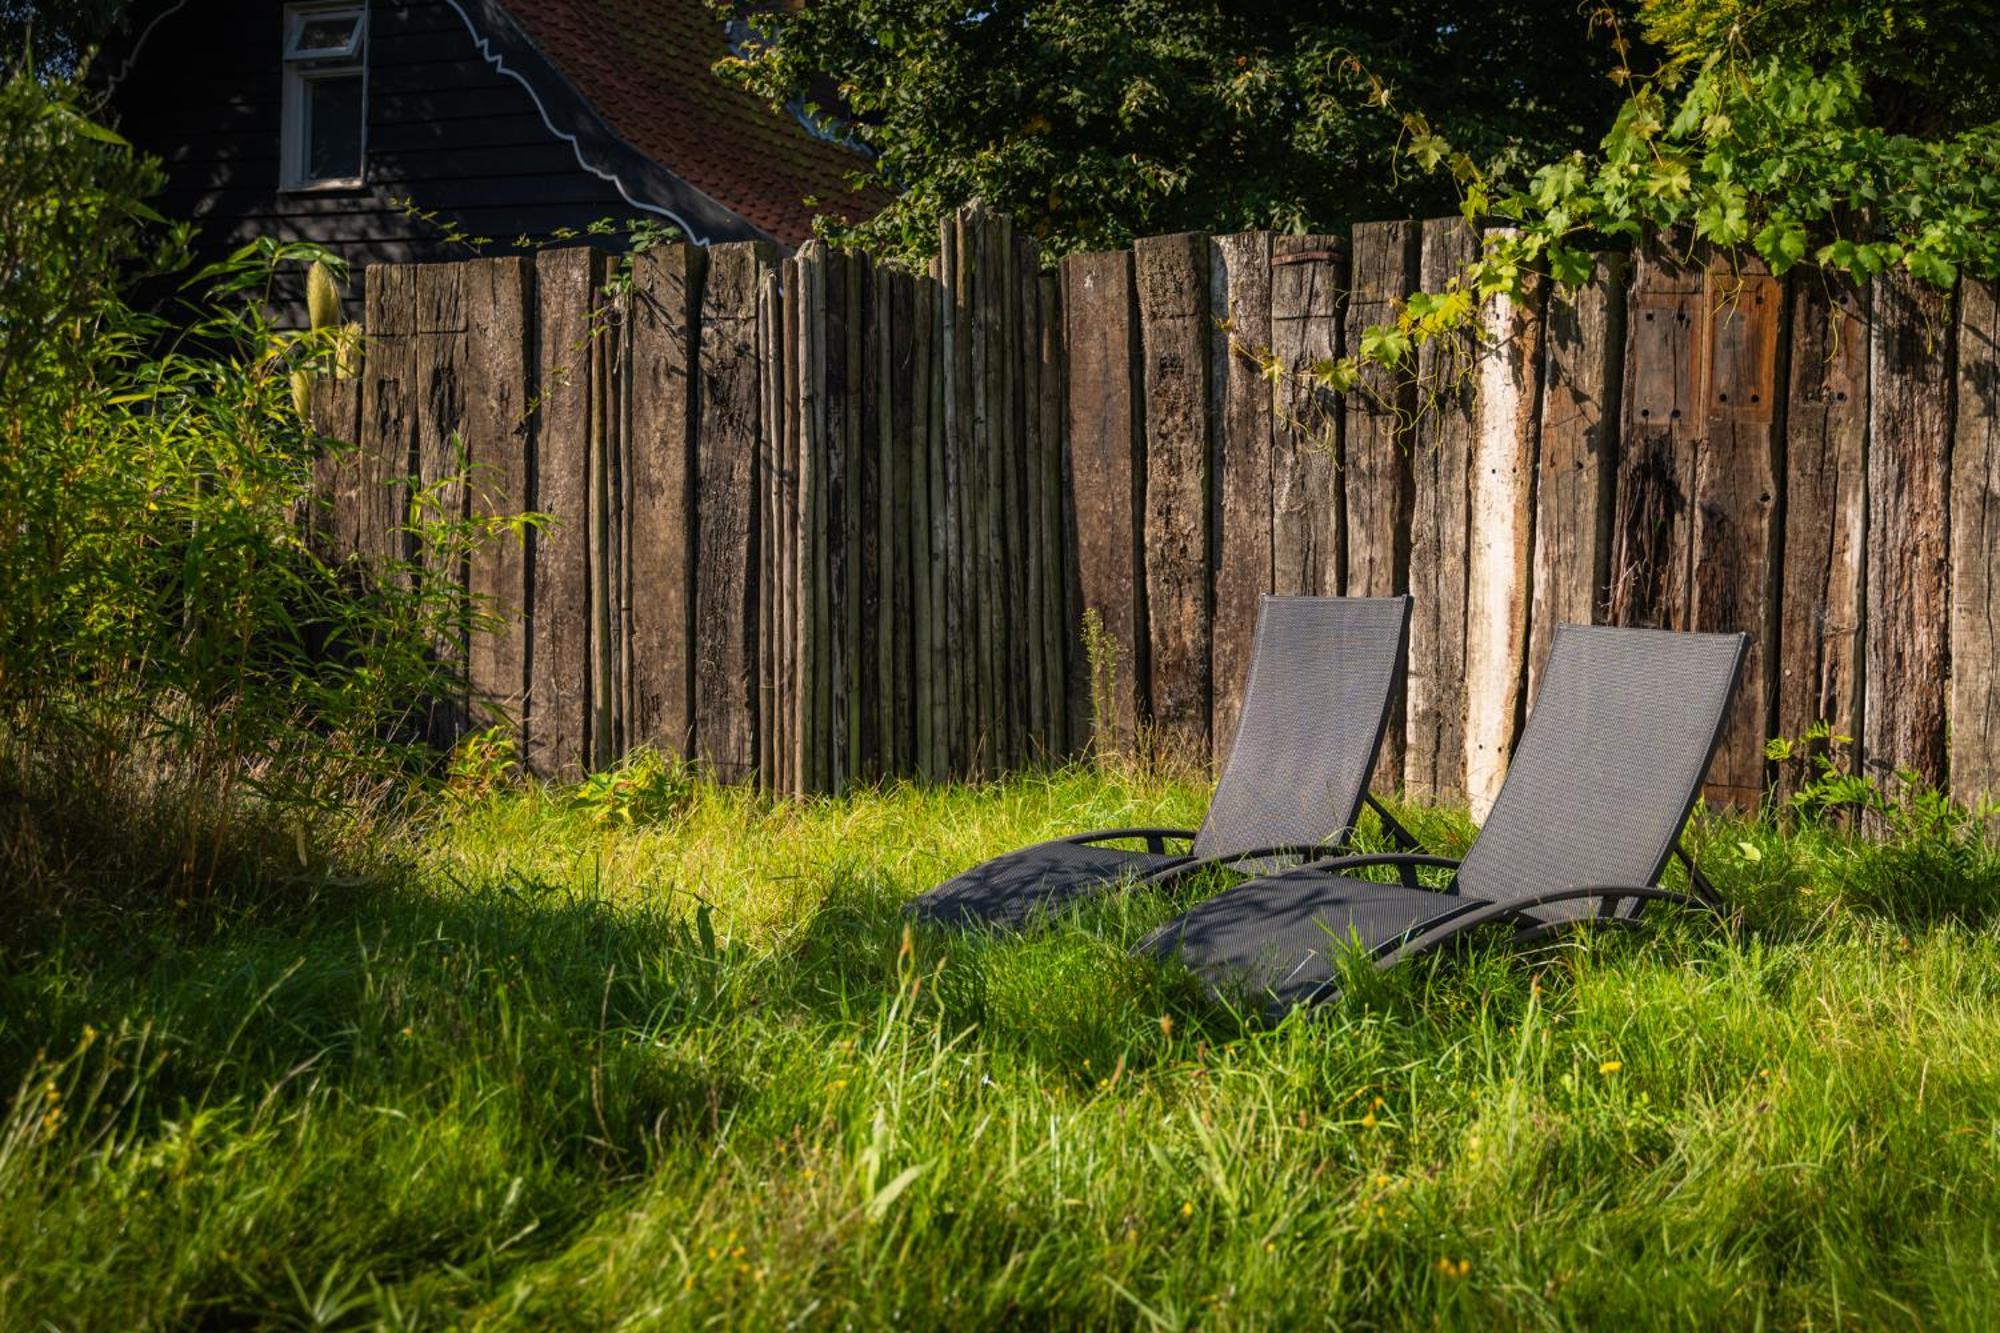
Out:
{"x": 1606, "y": 772}
{"x": 1321, "y": 679}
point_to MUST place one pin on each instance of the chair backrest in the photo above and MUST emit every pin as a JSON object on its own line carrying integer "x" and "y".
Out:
{"x": 1321, "y": 679}
{"x": 1609, "y": 766}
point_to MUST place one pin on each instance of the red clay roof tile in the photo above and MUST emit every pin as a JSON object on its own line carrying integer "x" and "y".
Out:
{"x": 646, "y": 68}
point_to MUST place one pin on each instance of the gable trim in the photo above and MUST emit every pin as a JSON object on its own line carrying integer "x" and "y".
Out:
{"x": 640, "y": 181}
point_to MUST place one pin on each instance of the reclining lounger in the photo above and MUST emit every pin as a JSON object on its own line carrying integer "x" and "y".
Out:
{"x": 1321, "y": 680}
{"x": 1592, "y": 808}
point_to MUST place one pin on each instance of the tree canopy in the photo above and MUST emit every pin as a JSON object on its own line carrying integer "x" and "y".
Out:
{"x": 1093, "y": 121}
{"x": 1862, "y": 133}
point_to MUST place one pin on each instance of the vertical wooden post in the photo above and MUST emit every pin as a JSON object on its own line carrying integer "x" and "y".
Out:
{"x": 566, "y": 287}
{"x": 1106, "y": 482}
{"x": 790, "y": 502}
{"x": 901, "y": 446}
{"x": 1975, "y": 547}
{"x": 498, "y": 296}
{"x": 438, "y": 366}
{"x": 662, "y": 334}
{"x": 725, "y": 479}
{"x": 961, "y": 635}
{"x": 1584, "y": 336}
{"x": 1057, "y": 637}
{"x": 979, "y": 266}
{"x": 815, "y": 549}
{"x": 1911, "y": 400}
{"x": 1308, "y": 509}
{"x": 927, "y": 532}
{"x": 831, "y": 522}
{"x": 1172, "y": 274}
{"x": 774, "y": 473}
{"x": 1011, "y": 534}
{"x": 1734, "y": 574}
{"x": 334, "y": 515}
{"x": 387, "y": 449}
{"x": 1239, "y": 270}
{"x": 1500, "y": 580}
{"x": 870, "y": 511}
{"x": 603, "y": 472}
{"x": 1819, "y": 657}
{"x": 1030, "y": 559}
{"x": 851, "y": 700}
{"x": 1442, "y": 445}
{"x": 1652, "y": 524}
{"x": 1376, "y": 466}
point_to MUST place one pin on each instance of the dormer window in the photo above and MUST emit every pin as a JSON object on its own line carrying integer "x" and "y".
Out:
{"x": 325, "y": 106}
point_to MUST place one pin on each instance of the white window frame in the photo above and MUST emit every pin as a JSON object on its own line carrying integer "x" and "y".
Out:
{"x": 301, "y": 69}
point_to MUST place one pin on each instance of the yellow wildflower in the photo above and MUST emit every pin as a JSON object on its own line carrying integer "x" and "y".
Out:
{"x": 1611, "y": 1066}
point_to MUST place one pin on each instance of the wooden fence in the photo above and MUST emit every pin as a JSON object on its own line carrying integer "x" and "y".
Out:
{"x": 818, "y": 520}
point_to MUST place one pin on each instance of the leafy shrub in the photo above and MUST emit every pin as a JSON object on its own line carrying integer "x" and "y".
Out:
{"x": 482, "y": 763}
{"x": 646, "y": 788}
{"x": 168, "y": 625}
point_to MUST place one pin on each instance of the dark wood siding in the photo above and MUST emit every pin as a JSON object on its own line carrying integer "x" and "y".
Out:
{"x": 447, "y": 133}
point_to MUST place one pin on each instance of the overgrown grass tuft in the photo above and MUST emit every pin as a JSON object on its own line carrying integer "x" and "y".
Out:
{"x": 528, "y": 1071}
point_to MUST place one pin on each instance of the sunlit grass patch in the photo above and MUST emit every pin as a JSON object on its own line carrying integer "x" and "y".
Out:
{"x": 539, "y": 1068}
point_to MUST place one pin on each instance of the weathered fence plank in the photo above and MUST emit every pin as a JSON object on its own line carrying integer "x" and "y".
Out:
{"x": 1826, "y": 427}
{"x": 1172, "y": 279}
{"x": 437, "y": 362}
{"x": 815, "y": 568}
{"x": 557, "y": 724}
{"x": 1055, "y": 546}
{"x": 934, "y": 665}
{"x": 871, "y": 489}
{"x": 1107, "y": 472}
{"x": 725, "y": 479}
{"x": 1909, "y": 440}
{"x": 1375, "y": 464}
{"x": 1652, "y": 528}
{"x": 1500, "y": 580}
{"x": 606, "y": 553}
{"x": 1009, "y": 452}
{"x": 960, "y": 636}
{"x": 1308, "y": 514}
{"x": 498, "y": 296}
{"x": 1584, "y": 338}
{"x": 1975, "y": 547}
{"x": 1441, "y": 443}
{"x": 1240, "y": 298}
{"x": 1029, "y": 560}
{"x": 1733, "y": 582}
{"x": 661, "y": 330}
{"x": 773, "y": 472}
{"x": 386, "y": 459}
{"x": 901, "y": 447}
{"x": 335, "y": 515}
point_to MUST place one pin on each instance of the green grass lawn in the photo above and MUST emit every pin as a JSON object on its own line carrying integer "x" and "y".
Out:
{"x": 527, "y": 1072}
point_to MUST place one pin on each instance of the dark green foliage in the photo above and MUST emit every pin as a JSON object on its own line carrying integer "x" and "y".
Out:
{"x": 1928, "y": 69}
{"x": 1094, "y": 121}
{"x": 168, "y": 632}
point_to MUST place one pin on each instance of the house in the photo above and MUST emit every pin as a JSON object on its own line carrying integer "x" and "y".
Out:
{"x": 396, "y": 130}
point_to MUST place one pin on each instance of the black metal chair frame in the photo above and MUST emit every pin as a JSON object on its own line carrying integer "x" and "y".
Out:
{"x": 1449, "y": 925}
{"x": 1253, "y": 860}
{"x": 1156, "y": 840}
{"x": 1454, "y": 920}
